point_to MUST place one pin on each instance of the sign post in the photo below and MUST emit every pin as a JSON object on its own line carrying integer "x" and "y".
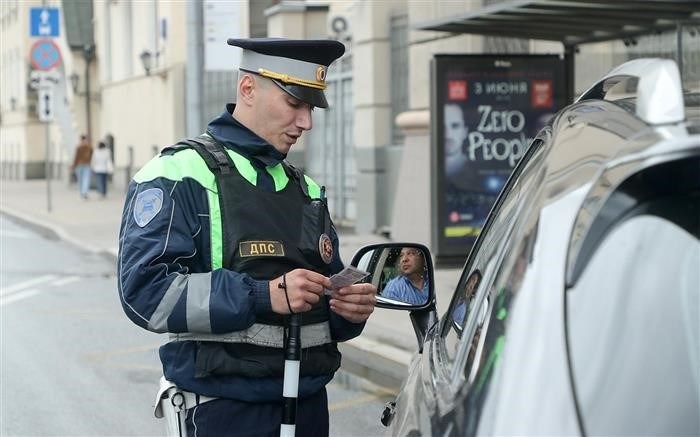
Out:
{"x": 43, "y": 82}
{"x": 44, "y": 57}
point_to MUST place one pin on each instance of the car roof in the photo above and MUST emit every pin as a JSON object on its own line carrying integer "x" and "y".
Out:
{"x": 594, "y": 145}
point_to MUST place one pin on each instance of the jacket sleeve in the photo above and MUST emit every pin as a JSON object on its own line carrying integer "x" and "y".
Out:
{"x": 164, "y": 265}
{"x": 341, "y": 329}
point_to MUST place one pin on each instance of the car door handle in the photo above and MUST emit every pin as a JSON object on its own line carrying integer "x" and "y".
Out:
{"x": 388, "y": 413}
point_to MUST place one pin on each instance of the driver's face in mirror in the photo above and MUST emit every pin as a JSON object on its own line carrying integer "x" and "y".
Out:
{"x": 409, "y": 283}
{"x": 411, "y": 261}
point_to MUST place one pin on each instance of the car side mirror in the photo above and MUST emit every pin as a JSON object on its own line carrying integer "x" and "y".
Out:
{"x": 402, "y": 273}
{"x": 404, "y": 276}
{"x": 405, "y": 280}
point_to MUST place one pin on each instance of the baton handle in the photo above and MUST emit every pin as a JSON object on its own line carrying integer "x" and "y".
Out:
{"x": 292, "y": 350}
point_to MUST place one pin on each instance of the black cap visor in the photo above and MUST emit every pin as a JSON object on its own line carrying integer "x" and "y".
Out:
{"x": 312, "y": 96}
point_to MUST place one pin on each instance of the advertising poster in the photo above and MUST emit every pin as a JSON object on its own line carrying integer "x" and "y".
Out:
{"x": 486, "y": 111}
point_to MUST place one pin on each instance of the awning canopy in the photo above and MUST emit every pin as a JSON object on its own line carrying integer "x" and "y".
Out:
{"x": 572, "y": 22}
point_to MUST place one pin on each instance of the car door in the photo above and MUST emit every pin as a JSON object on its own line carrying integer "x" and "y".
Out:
{"x": 633, "y": 307}
{"x": 465, "y": 340}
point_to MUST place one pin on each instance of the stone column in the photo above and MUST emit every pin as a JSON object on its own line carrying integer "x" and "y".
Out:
{"x": 411, "y": 217}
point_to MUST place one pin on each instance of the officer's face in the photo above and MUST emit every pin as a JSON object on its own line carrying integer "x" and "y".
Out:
{"x": 281, "y": 118}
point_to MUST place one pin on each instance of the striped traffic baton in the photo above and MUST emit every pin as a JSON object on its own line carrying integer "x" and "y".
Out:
{"x": 292, "y": 358}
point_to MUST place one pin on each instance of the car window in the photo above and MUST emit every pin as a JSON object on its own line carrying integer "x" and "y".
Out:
{"x": 471, "y": 294}
{"x": 480, "y": 350}
{"x": 517, "y": 231}
{"x": 633, "y": 324}
{"x": 469, "y": 309}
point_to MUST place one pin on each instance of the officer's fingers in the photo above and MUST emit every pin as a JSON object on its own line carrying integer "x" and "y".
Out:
{"x": 288, "y": 294}
{"x": 307, "y": 280}
{"x": 317, "y": 278}
{"x": 302, "y": 300}
{"x": 313, "y": 298}
{"x": 350, "y": 311}
{"x": 355, "y": 303}
{"x": 358, "y": 289}
{"x": 361, "y": 298}
{"x": 315, "y": 288}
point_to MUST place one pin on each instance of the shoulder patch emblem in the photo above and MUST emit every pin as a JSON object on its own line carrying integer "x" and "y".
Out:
{"x": 148, "y": 205}
{"x": 325, "y": 248}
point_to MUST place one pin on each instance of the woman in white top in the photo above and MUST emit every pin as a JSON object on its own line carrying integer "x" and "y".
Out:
{"x": 102, "y": 165}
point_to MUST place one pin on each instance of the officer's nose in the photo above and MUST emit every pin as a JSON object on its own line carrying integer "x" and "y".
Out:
{"x": 304, "y": 118}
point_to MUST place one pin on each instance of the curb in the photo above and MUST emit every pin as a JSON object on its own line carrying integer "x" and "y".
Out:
{"x": 379, "y": 363}
{"x": 55, "y": 232}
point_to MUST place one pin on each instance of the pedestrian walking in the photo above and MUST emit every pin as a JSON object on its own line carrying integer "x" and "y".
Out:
{"x": 222, "y": 241}
{"x": 81, "y": 165}
{"x": 102, "y": 166}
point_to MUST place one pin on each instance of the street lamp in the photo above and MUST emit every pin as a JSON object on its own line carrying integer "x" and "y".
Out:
{"x": 147, "y": 60}
{"x": 74, "y": 82}
{"x": 88, "y": 56}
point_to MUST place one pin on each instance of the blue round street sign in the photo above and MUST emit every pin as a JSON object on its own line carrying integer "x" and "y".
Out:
{"x": 44, "y": 55}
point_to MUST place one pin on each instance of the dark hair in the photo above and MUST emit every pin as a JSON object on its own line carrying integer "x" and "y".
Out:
{"x": 101, "y": 145}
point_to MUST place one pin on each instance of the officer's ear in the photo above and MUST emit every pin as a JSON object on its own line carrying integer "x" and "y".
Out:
{"x": 246, "y": 89}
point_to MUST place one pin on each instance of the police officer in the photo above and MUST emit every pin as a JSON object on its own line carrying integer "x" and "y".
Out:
{"x": 221, "y": 240}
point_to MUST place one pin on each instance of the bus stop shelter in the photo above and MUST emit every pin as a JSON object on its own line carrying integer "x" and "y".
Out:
{"x": 575, "y": 22}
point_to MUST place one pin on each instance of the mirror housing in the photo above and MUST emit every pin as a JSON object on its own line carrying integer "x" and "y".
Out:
{"x": 405, "y": 279}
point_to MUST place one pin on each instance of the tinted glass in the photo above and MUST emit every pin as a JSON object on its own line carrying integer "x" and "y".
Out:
{"x": 633, "y": 327}
{"x": 464, "y": 328}
{"x": 514, "y": 230}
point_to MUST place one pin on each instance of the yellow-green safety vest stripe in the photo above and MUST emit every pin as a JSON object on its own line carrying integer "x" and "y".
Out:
{"x": 187, "y": 163}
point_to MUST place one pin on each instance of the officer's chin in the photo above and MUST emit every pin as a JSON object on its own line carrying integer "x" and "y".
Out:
{"x": 283, "y": 148}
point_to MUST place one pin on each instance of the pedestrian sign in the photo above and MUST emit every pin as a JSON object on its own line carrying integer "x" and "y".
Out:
{"x": 43, "y": 22}
{"x": 44, "y": 55}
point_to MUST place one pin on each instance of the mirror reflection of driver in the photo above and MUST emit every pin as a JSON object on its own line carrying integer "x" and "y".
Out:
{"x": 411, "y": 286}
{"x": 466, "y": 303}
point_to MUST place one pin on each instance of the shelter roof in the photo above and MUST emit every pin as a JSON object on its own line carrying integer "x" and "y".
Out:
{"x": 572, "y": 22}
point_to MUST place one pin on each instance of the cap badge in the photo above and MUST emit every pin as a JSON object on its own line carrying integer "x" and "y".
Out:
{"x": 321, "y": 73}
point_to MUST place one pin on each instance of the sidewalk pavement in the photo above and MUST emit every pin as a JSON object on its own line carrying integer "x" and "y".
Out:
{"x": 381, "y": 354}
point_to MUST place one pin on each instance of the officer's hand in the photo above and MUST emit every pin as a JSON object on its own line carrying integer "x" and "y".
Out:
{"x": 304, "y": 289}
{"x": 354, "y": 303}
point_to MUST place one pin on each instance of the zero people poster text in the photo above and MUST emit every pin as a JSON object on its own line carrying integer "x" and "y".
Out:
{"x": 486, "y": 110}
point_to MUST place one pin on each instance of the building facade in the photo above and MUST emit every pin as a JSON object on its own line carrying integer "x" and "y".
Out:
{"x": 158, "y": 76}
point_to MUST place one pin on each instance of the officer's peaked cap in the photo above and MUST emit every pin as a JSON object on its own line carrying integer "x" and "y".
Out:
{"x": 298, "y": 66}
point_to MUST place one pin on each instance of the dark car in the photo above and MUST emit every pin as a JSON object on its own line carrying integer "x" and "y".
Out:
{"x": 577, "y": 308}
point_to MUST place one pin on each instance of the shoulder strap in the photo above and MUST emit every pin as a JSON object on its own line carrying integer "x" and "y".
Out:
{"x": 298, "y": 176}
{"x": 223, "y": 168}
{"x": 171, "y": 150}
{"x": 213, "y": 153}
